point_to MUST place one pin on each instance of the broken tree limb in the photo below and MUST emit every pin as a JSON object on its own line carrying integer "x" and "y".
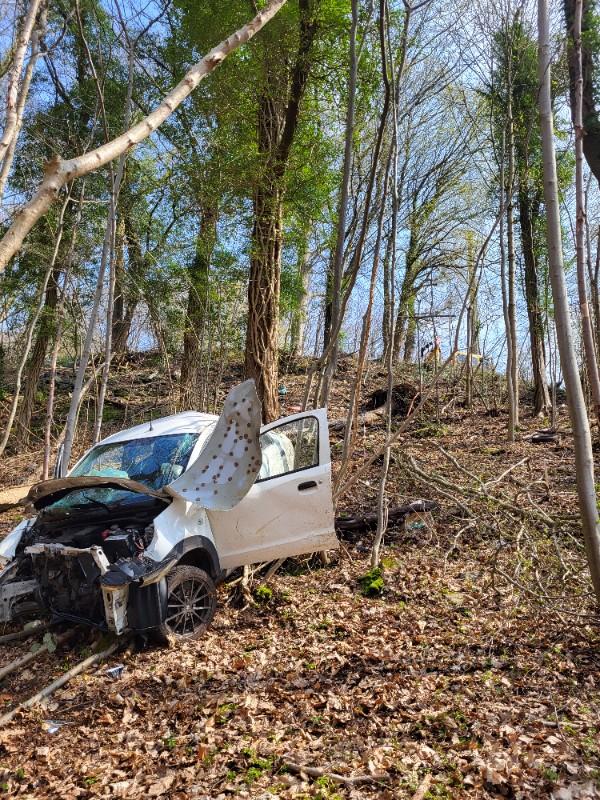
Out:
{"x": 57, "y": 172}
{"x": 345, "y": 780}
{"x": 422, "y": 788}
{"x": 60, "y": 682}
{"x": 32, "y": 655}
{"x": 366, "y": 522}
{"x": 25, "y": 633}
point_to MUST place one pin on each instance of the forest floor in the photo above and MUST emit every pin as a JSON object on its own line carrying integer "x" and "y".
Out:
{"x": 473, "y": 673}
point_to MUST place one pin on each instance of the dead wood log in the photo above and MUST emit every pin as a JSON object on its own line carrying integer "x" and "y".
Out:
{"x": 351, "y": 781}
{"x": 543, "y": 437}
{"x": 366, "y": 522}
{"x": 423, "y": 788}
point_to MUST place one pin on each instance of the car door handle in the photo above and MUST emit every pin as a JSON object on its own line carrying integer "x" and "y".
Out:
{"x": 302, "y": 487}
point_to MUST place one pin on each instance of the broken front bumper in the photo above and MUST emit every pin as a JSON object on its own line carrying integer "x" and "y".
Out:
{"x": 133, "y": 590}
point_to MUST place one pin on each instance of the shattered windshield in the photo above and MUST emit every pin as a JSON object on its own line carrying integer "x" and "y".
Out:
{"x": 154, "y": 461}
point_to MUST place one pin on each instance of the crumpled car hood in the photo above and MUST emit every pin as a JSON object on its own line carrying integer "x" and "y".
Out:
{"x": 230, "y": 461}
{"x": 220, "y": 477}
{"x": 47, "y": 492}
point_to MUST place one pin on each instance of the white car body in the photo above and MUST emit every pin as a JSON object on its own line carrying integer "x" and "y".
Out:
{"x": 233, "y": 503}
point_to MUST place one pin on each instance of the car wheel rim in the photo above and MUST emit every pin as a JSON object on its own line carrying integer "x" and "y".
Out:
{"x": 189, "y": 607}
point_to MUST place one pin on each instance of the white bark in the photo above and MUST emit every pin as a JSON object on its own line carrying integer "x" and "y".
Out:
{"x": 58, "y": 172}
{"x": 584, "y": 464}
{"x": 14, "y": 77}
{"x": 9, "y": 155}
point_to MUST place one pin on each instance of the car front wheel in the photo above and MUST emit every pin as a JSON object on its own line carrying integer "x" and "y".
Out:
{"x": 191, "y": 603}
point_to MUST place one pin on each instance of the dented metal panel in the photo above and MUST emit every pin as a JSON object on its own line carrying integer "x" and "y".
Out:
{"x": 230, "y": 461}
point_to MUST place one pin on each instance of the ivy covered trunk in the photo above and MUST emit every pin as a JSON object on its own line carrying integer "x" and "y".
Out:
{"x": 528, "y": 212}
{"x": 263, "y": 295}
{"x": 198, "y": 304}
{"x": 278, "y": 115}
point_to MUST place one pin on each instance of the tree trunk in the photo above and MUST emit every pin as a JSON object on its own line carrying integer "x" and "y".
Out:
{"x": 528, "y": 212}
{"x": 513, "y": 422}
{"x": 299, "y": 315}
{"x": 333, "y": 308}
{"x": 584, "y": 462}
{"x": 585, "y": 69}
{"x": 278, "y": 119}
{"x": 198, "y": 305}
{"x": 14, "y": 78}
{"x": 35, "y": 364}
{"x": 263, "y": 296}
{"x": 577, "y": 115}
{"x": 7, "y": 160}
{"x": 122, "y": 316}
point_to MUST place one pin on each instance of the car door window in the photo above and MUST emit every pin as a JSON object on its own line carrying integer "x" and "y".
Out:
{"x": 290, "y": 447}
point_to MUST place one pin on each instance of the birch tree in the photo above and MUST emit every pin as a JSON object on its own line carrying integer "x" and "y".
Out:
{"x": 584, "y": 462}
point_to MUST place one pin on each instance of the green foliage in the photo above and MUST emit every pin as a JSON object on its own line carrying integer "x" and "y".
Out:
{"x": 372, "y": 583}
{"x": 264, "y": 594}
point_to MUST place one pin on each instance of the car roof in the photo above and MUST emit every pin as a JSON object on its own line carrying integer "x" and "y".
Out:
{"x": 184, "y": 422}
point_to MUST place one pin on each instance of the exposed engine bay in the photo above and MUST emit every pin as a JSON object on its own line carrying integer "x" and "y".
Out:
{"x": 65, "y": 557}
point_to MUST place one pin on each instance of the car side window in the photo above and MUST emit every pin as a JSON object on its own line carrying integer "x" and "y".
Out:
{"x": 289, "y": 447}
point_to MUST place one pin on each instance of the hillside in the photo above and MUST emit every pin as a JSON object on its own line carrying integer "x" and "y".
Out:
{"x": 472, "y": 673}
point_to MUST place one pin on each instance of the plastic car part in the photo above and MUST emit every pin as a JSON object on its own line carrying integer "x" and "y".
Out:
{"x": 229, "y": 463}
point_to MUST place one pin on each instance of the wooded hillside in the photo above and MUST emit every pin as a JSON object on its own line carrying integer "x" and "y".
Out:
{"x": 391, "y": 209}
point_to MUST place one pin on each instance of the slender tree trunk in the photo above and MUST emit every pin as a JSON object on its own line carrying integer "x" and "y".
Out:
{"x": 513, "y": 422}
{"x": 198, "y": 305}
{"x": 334, "y": 281}
{"x": 586, "y": 323}
{"x": 35, "y": 363}
{"x": 355, "y": 391}
{"x": 584, "y": 462}
{"x": 14, "y": 77}
{"x": 298, "y": 322}
{"x": 7, "y": 160}
{"x": 504, "y": 289}
{"x": 31, "y": 327}
{"x": 121, "y": 320}
{"x": 583, "y": 65}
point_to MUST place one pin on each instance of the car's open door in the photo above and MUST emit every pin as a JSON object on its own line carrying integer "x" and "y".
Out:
{"x": 289, "y": 509}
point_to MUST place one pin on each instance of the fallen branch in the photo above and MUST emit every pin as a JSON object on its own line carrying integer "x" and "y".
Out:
{"x": 26, "y": 632}
{"x": 423, "y": 788}
{"x": 366, "y": 522}
{"x": 18, "y": 663}
{"x": 60, "y": 682}
{"x": 352, "y": 479}
{"x": 351, "y": 781}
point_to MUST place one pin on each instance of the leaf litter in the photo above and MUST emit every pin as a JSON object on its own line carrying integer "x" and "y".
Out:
{"x": 472, "y": 673}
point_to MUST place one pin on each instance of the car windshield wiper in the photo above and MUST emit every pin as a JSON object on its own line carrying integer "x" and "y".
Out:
{"x": 92, "y": 500}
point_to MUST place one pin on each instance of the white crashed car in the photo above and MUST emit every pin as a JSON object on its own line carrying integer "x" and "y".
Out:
{"x": 152, "y": 518}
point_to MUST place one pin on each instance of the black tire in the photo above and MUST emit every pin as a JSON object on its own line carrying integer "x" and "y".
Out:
{"x": 191, "y": 603}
